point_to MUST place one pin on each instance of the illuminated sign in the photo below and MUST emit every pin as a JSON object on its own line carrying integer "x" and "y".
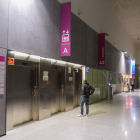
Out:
{"x": 133, "y": 67}
{"x": 130, "y": 76}
{"x": 101, "y": 49}
{"x": 87, "y": 69}
{"x": 69, "y": 69}
{"x": 66, "y": 29}
{"x": 10, "y": 61}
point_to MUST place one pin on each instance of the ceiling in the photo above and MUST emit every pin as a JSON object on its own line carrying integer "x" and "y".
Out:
{"x": 128, "y": 12}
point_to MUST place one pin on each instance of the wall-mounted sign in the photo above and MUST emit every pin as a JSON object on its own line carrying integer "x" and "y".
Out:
{"x": 133, "y": 67}
{"x": 2, "y": 72}
{"x": 11, "y": 61}
{"x": 101, "y": 49}
{"x": 69, "y": 69}
{"x": 87, "y": 69}
{"x": 45, "y": 76}
{"x": 70, "y": 78}
{"x": 66, "y": 29}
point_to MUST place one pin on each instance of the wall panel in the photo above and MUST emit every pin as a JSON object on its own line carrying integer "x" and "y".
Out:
{"x": 45, "y": 97}
{"x": 3, "y": 52}
{"x": 35, "y": 28}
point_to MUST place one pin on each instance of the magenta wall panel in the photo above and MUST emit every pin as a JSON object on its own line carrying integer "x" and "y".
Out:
{"x": 101, "y": 49}
{"x": 66, "y": 29}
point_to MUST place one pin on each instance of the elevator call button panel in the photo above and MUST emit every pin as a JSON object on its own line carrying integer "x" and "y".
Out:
{"x": 36, "y": 91}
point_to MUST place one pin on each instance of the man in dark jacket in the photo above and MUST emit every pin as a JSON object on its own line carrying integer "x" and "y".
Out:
{"x": 87, "y": 90}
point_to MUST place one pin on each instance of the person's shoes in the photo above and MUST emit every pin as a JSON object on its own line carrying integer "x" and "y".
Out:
{"x": 80, "y": 115}
{"x": 86, "y": 115}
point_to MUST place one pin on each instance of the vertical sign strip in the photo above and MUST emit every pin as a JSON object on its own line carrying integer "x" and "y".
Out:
{"x": 2, "y": 72}
{"x": 66, "y": 29}
{"x": 101, "y": 49}
{"x": 133, "y": 67}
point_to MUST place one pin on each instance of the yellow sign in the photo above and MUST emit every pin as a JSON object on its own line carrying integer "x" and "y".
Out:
{"x": 69, "y": 69}
{"x": 130, "y": 76}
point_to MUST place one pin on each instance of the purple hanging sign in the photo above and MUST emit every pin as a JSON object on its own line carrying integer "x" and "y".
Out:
{"x": 101, "y": 49}
{"x": 66, "y": 29}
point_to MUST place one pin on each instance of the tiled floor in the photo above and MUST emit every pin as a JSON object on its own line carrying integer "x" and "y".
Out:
{"x": 118, "y": 119}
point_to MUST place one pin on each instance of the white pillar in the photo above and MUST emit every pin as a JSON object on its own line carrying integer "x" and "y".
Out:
{"x": 84, "y": 74}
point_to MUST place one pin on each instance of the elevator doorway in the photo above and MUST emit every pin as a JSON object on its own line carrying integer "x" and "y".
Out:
{"x": 22, "y": 107}
{"x": 26, "y": 92}
{"x": 23, "y": 99}
{"x": 57, "y": 82}
{"x": 77, "y": 77}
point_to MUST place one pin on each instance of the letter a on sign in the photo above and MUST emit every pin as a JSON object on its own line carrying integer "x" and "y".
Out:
{"x": 65, "y": 50}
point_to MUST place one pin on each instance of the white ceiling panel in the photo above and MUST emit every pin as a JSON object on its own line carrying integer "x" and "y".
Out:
{"x": 128, "y": 12}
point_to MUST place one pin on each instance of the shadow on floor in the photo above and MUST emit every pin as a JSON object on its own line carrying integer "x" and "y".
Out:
{"x": 97, "y": 112}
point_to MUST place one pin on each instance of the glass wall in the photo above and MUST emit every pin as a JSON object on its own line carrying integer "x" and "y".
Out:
{"x": 99, "y": 79}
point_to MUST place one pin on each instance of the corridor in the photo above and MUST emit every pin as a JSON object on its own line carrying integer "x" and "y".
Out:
{"x": 117, "y": 119}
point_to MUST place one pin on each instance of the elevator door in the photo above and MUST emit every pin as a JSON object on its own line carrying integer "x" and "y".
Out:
{"x": 22, "y": 95}
{"x": 77, "y": 87}
{"x": 55, "y": 91}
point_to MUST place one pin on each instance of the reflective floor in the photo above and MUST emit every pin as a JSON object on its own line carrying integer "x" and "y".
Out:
{"x": 118, "y": 119}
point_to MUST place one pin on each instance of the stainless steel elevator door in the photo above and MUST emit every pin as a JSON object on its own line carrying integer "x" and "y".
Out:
{"x": 55, "y": 91}
{"x": 22, "y": 95}
{"x": 75, "y": 82}
{"x": 77, "y": 77}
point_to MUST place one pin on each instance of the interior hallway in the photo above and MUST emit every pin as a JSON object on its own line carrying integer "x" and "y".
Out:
{"x": 108, "y": 120}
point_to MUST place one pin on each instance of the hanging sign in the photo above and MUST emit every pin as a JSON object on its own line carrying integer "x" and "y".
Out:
{"x": 133, "y": 67}
{"x": 66, "y": 29}
{"x": 101, "y": 49}
{"x": 2, "y": 72}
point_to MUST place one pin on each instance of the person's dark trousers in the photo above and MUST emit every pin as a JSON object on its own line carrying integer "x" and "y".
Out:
{"x": 85, "y": 100}
{"x": 132, "y": 87}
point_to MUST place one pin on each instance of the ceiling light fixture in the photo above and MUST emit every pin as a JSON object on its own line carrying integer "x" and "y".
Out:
{"x": 35, "y": 56}
{"x": 19, "y": 53}
{"x": 80, "y": 13}
{"x": 77, "y": 65}
{"x": 70, "y": 63}
{"x": 61, "y": 62}
{"x": 50, "y": 59}
{"x": 53, "y": 61}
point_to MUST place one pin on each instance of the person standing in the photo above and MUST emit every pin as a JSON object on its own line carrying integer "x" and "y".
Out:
{"x": 86, "y": 91}
{"x": 132, "y": 86}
